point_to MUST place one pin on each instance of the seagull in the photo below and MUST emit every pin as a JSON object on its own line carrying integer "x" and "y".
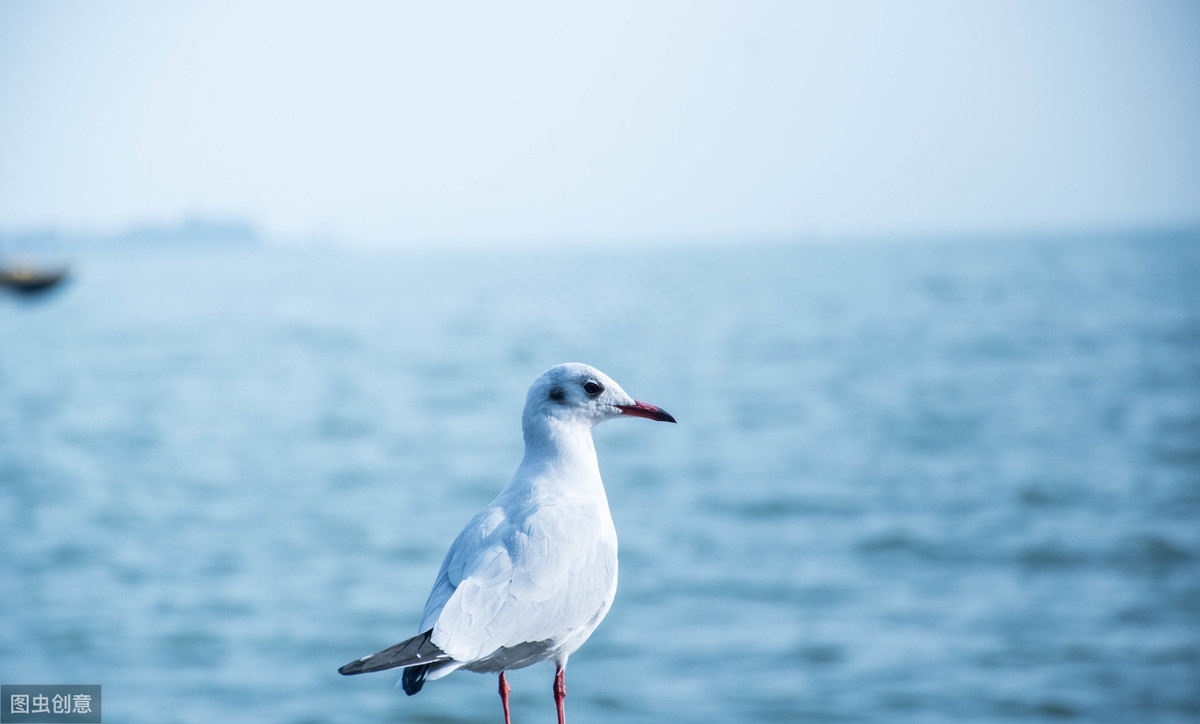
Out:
{"x": 531, "y": 576}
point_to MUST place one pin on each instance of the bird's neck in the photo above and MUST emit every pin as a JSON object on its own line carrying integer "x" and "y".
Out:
{"x": 560, "y": 461}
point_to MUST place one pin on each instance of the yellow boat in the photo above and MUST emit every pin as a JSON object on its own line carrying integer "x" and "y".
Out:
{"x": 26, "y": 280}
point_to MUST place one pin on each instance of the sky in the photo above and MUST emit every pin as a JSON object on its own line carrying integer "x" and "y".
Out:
{"x": 394, "y": 124}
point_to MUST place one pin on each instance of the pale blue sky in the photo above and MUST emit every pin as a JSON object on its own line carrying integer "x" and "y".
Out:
{"x": 405, "y": 123}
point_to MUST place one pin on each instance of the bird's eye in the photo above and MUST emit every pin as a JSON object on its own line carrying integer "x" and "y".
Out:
{"x": 593, "y": 388}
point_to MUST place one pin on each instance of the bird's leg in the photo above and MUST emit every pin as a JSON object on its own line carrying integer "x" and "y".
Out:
{"x": 560, "y": 693}
{"x": 504, "y": 689}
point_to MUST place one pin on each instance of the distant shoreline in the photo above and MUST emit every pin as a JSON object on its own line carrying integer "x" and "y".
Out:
{"x": 189, "y": 233}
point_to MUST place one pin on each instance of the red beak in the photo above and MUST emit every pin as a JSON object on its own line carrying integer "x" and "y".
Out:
{"x": 646, "y": 410}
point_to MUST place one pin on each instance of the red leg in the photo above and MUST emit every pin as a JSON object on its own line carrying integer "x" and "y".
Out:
{"x": 560, "y": 693}
{"x": 504, "y": 689}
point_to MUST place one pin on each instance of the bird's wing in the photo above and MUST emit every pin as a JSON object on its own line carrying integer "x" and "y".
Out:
{"x": 417, "y": 650}
{"x": 463, "y": 555}
{"x": 540, "y": 577}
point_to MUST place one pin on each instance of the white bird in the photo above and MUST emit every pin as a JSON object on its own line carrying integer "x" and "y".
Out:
{"x": 532, "y": 574}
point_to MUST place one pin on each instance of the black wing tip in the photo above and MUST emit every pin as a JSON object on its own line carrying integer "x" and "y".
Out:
{"x": 411, "y": 681}
{"x": 415, "y": 653}
{"x": 414, "y": 678}
{"x": 354, "y": 667}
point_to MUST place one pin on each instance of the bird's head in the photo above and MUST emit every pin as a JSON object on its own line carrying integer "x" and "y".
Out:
{"x": 578, "y": 393}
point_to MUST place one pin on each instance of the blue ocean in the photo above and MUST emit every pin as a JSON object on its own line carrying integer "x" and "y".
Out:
{"x": 919, "y": 481}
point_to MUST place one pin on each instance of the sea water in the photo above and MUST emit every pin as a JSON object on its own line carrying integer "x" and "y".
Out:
{"x": 928, "y": 481}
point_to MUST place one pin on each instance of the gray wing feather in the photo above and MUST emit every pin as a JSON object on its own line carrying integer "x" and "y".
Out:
{"x": 417, "y": 650}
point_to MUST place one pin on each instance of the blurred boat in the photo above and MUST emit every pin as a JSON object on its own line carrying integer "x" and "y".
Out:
{"x": 28, "y": 280}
